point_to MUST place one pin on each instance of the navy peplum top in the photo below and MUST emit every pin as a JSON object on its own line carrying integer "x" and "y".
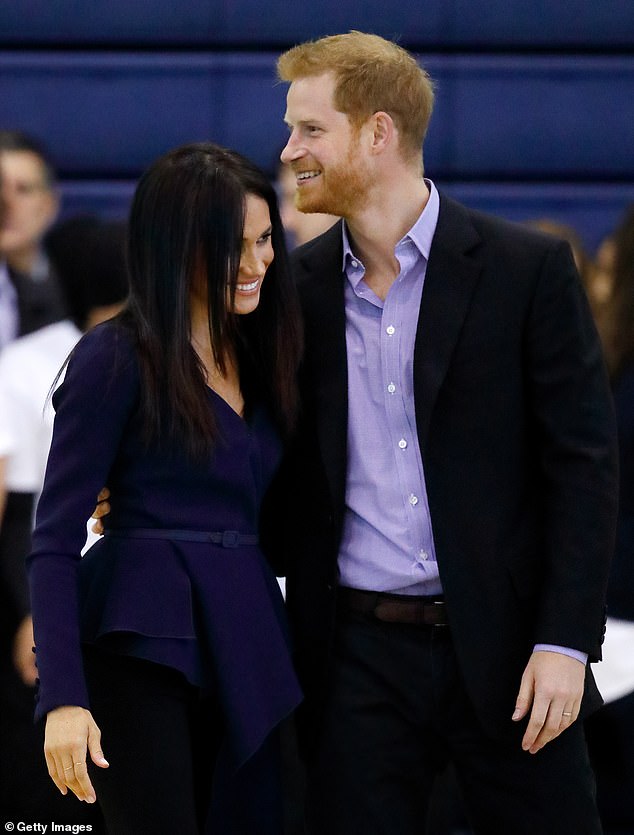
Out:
{"x": 214, "y": 613}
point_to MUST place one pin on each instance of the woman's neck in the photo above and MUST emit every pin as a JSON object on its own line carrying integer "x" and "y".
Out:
{"x": 224, "y": 381}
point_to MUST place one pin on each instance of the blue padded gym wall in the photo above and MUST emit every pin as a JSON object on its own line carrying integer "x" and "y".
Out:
{"x": 535, "y": 101}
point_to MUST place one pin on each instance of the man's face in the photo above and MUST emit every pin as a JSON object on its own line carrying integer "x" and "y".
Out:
{"x": 324, "y": 150}
{"x": 29, "y": 206}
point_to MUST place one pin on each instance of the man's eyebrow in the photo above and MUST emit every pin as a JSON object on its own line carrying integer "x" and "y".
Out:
{"x": 302, "y": 122}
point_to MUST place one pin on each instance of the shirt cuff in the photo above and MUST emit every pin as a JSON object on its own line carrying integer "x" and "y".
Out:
{"x": 571, "y": 653}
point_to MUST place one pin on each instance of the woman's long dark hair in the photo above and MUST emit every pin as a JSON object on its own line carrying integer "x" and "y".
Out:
{"x": 187, "y": 217}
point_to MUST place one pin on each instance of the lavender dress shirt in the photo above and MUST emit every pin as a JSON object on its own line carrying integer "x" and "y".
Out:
{"x": 388, "y": 541}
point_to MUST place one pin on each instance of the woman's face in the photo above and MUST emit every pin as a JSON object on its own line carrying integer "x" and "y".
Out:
{"x": 257, "y": 254}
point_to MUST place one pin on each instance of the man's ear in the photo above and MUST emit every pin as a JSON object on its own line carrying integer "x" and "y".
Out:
{"x": 383, "y": 131}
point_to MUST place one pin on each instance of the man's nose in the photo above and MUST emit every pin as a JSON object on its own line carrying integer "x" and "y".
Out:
{"x": 291, "y": 150}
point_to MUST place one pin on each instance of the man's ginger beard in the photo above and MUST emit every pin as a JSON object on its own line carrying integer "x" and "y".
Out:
{"x": 340, "y": 189}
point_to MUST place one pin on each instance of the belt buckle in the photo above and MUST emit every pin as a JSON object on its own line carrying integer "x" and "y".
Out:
{"x": 230, "y": 539}
{"x": 439, "y": 606}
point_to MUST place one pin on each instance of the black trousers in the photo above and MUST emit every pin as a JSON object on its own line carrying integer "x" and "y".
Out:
{"x": 162, "y": 739}
{"x": 610, "y": 734}
{"x": 398, "y": 712}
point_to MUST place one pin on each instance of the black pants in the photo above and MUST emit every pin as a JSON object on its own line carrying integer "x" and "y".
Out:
{"x": 610, "y": 734}
{"x": 398, "y": 713}
{"x": 162, "y": 740}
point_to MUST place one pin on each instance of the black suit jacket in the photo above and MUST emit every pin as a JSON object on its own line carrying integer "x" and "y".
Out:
{"x": 39, "y": 301}
{"x": 517, "y": 436}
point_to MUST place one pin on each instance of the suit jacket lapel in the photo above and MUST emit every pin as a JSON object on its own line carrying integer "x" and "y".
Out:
{"x": 451, "y": 277}
{"x": 322, "y": 290}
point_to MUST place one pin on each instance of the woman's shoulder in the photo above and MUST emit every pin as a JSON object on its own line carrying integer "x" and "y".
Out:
{"x": 108, "y": 344}
{"x": 105, "y": 356}
{"x": 107, "y": 336}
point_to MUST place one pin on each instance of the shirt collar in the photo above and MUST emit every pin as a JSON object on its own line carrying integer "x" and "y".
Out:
{"x": 4, "y": 273}
{"x": 421, "y": 234}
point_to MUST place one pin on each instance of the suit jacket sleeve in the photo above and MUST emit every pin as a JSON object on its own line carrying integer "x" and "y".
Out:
{"x": 92, "y": 407}
{"x": 574, "y": 423}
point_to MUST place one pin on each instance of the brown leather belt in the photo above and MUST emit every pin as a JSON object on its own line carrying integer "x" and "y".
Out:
{"x": 394, "y": 608}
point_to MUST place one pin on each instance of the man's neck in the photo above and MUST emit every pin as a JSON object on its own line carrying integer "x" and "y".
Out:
{"x": 26, "y": 262}
{"x": 376, "y": 229}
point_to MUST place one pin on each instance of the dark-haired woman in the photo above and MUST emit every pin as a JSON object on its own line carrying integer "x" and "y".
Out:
{"x": 166, "y": 645}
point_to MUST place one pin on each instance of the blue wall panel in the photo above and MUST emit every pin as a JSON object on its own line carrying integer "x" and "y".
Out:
{"x": 431, "y": 23}
{"x": 513, "y": 117}
{"x": 110, "y": 114}
{"x": 107, "y": 198}
{"x": 534, "y": 115}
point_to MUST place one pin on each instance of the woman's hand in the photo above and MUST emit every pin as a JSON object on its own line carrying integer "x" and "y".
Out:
{"x": 71, "y": 733}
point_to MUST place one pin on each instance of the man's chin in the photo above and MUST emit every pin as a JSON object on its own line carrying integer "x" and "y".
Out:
{"x": 311, "y": 207}
{"x": 306, "y": 207}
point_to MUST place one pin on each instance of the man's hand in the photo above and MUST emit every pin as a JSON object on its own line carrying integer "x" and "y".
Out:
{"x": 553, "y": 684}
{"x": 102, "y": 509}
{"x": 23, "y": 655}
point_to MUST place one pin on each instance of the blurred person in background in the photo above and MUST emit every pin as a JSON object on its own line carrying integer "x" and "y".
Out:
{"x": 88, "y": 257}
{"x": 29, "y": 293}
{"x": 611, "y": 730}
{"x": 565, "y": 232}
{"x": 601, "y": 277}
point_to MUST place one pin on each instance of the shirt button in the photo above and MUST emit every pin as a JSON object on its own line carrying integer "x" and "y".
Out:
{"x": 391, "y": 388}
{"x": 402, "y": 443}
{"x": 413, "y": 500}
{"x": 354, "y": 263}
{"x": 390, "y": 329}
{"x": 423, "y": 556}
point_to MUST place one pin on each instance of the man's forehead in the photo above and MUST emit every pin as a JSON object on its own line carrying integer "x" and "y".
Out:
{"x": 320, "y": 83}
{"x": 310, "y": 98}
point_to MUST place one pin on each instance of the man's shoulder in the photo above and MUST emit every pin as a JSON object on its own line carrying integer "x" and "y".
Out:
{"x": 456, "y": 217}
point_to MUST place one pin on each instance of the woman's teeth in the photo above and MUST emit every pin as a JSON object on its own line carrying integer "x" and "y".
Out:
{"x": 248, "y": 288}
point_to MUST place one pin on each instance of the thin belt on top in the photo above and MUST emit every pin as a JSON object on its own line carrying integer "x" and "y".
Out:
{"x": 394, "y": 608}
{"x": 227, "y": 539}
